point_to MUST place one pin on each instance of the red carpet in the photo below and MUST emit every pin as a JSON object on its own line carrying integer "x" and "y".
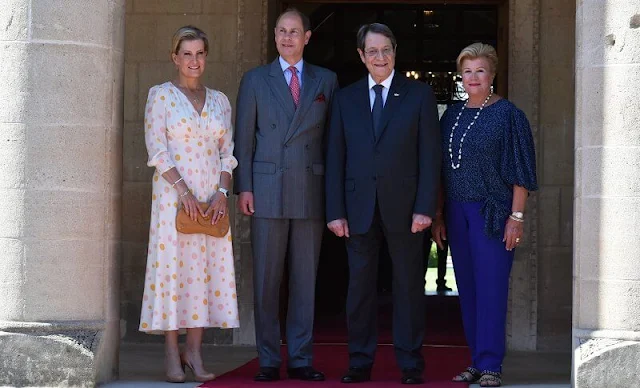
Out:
{"x": 442, "y": 363}
{"x": 445, "y": 352}
{"x": 443, "y": 323}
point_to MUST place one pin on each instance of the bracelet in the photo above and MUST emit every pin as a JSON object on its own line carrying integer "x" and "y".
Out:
{"x": 516, "y": 218}
{"x": 185, "y": 193}
{"x": 176, "y": 182}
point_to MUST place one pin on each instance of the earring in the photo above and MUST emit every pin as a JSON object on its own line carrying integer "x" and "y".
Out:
{"x": 491, "y": 88}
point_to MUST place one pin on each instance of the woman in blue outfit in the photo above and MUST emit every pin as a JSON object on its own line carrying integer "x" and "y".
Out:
{"x": 488, "y": 172}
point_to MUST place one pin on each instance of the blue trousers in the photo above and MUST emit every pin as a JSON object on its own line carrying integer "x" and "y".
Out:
{"x": 482, "y": 265}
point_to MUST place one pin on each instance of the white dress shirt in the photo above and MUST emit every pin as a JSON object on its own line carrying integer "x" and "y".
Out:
{"x": 385, "y": 90}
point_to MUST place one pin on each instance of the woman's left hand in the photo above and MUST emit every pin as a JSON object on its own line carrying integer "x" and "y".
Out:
{"x": 217, "y": 207}
{"x": 512, "y": 234}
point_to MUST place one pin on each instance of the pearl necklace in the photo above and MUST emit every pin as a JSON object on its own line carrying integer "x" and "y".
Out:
{"x": 453, "y": 165}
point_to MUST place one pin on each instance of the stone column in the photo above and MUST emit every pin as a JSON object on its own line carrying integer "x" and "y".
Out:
{"x": 60, "y": 184}
{"x": 606, "y": 306}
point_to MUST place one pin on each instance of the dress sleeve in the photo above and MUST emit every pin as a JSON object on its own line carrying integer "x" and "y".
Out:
{"x": 519, "y": 155}
{"x": 225, "y": 143}
{"x": 155, "y": 131}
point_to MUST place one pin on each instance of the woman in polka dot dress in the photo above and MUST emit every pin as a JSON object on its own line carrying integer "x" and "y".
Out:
{"x": 190, "y": 279}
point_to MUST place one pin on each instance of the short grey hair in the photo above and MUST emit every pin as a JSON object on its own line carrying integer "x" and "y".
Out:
{"x": 376, "y": 28}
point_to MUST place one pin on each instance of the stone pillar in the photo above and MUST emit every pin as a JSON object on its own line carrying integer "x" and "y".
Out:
{"x": 60, "y": 184}
{"x": 606, "y": 286}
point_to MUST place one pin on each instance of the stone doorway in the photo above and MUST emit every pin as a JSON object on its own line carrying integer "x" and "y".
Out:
{"x": 242, "y": 38}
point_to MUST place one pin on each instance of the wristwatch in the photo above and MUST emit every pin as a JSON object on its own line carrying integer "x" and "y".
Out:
{"x": 224, "y": 192}
{"x": 519, "y": 215}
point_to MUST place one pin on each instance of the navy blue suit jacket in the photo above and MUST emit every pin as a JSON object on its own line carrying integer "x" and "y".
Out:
{"x": 400, "y": 169}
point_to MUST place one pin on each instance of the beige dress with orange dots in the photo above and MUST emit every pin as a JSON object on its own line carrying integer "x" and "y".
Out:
{"x": 190, "y": 279}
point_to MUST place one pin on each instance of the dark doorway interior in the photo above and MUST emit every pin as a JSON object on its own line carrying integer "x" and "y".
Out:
{"x": 430, "y": 36}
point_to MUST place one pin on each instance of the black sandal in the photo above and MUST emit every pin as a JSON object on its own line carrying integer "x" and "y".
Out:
{"x": 490, "y": 379}
{"x": 469, "y": 375}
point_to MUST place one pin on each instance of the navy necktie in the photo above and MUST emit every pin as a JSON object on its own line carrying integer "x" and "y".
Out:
{"x": 376, "y": 112}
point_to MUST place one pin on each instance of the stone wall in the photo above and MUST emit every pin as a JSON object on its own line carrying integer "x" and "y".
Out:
{"x": 236, "y": 30}
{"x": 524, "y": 74}
{"x": 541, "y": 41}
{"x": 555, "y": 174}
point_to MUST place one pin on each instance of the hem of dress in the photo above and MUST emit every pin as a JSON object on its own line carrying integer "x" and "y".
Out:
{"x": 183, "y": 330}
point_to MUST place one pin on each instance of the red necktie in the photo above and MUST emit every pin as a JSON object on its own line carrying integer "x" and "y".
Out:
{"x": 294, "y": 85}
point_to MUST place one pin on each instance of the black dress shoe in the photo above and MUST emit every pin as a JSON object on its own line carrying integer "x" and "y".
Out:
{"x": 356, "y": 375}
{"x": 412, "y": 376}
{"x": 267, "y": 374}
{"x": 306, "y": 373}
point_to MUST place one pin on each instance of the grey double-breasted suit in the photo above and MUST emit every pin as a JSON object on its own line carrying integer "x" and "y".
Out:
{"x": 280, "y": 153}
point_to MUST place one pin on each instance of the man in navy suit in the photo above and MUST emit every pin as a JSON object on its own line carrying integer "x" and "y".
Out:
{"x": 382, "y": 175}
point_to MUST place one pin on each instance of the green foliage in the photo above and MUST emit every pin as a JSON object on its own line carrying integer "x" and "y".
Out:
{"x": 433, "y": 256}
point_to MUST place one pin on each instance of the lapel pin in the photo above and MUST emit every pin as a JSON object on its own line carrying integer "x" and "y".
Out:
{"x": 396, "y": 95}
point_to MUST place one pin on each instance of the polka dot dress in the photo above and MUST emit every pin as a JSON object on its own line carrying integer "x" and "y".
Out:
{"x": 190, "y": 278}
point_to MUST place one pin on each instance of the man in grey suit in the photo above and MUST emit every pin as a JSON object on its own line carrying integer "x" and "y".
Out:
{"x": 281, "y": 110}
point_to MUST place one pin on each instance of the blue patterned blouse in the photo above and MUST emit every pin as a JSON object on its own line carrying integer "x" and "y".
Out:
{"x": 497, "y": 153}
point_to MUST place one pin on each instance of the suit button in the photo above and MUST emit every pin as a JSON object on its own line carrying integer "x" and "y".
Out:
{"x": 282, "y": 169}
{"x": 273, "y": 125}
{"x": 286, "y": 146}
{"x": 308, "y": 169}
{"x": 374, "y": 178}
{"x": 306, "y": 146}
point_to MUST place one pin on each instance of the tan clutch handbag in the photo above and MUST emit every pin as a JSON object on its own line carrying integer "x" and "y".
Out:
{"x": 184, "y": 223}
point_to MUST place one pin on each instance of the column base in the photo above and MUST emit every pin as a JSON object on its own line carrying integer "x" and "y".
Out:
{"x": 604, "y": 359}
{"x": 77, "y": 354}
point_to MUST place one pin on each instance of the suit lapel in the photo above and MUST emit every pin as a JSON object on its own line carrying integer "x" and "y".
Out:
{"x": 394, "y": 98}
{"x": 310, "y": 86}
{"x": 280, "y": 89}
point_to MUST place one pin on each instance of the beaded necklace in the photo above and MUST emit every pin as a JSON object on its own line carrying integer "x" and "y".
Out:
{"x": 453, "y": 165}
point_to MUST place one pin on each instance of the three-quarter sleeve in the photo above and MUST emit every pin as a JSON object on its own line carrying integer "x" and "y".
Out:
{"x": 519, "y": 155}
{"x": 155, "y": 131}
{"x": 225, "y": 143}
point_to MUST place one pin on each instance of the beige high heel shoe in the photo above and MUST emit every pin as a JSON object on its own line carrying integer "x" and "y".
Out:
{"x": 199, "y": 375}
{"x": 175, "y": 378}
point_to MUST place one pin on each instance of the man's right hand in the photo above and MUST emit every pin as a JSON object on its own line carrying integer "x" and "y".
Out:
{"x": 245, "y": 203}
{"x": 339, "y": 227}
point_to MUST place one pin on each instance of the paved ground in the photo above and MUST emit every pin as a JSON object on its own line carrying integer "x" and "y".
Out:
{"x": 141, "y": 365}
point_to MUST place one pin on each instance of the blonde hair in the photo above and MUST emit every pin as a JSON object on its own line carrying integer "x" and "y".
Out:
{"x": 188, "y": 33}
{"x": 479, "y": 50}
